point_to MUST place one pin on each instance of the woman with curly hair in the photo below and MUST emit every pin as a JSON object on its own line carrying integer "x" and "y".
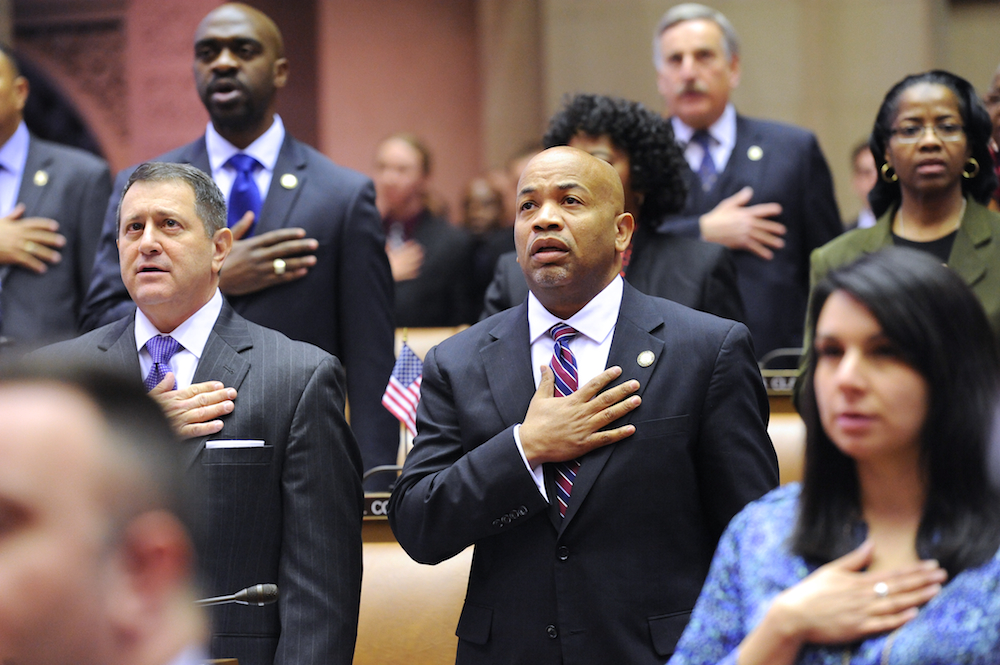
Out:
{"x": 640, "y": 145}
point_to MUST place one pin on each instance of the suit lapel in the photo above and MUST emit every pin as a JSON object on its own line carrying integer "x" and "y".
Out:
{"x": 289, "y": 177}
{"x": 740, "y": 167}
{"x": 967, "y": 257}
{"x": 632, "y": 337}
{"x": 222, "y": 361}
{"x": 119, "y": 344}
{"x": 34, "y": 179}
{"x": 509, "y": 359}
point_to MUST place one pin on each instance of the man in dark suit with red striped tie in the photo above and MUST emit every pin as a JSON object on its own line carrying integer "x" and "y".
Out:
{"x": 591, "y": 443}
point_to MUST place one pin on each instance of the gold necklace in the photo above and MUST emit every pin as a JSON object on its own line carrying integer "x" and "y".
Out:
{"x": 958, "y": 222}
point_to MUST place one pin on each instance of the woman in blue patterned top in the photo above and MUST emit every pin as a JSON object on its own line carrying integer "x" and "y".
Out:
{"x": 888, "y": 551}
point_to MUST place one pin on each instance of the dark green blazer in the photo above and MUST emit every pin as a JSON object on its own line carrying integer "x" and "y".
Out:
{"x": 975, "y": 256}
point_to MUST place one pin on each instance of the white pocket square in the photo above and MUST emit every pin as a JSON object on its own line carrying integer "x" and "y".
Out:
{"x": 235, "y": 443}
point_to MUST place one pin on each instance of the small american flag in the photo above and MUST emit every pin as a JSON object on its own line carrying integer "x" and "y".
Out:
{"x": 403, "y": 392}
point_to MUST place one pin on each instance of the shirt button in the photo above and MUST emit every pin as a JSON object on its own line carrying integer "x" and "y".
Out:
{"x": 551, "y": 631}
{"x": 563, "y": 553}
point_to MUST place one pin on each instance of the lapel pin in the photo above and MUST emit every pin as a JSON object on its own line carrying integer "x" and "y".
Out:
{"x": 289, "y": 181}
{"x": 755, "y": 153}
{"x": 41, "y": 178}
{"x": 645, "y": 359}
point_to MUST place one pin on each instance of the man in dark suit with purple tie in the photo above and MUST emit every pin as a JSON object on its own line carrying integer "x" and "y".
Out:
{"x": 594, "y": 515}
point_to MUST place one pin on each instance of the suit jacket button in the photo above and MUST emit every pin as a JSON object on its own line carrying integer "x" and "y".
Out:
{"x": 551, "y": 631}
{"x": 522, "y": 511}
{"x": 563, "y": 553}
{"x": 497, "y": 523}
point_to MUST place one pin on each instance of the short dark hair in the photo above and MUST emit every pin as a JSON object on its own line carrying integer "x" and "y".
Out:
{"x": 139, "y": 434}
{"x": 656, "y": 161}
{"x": 940, "y": 329}
{"x": 978, "y": 129}
{"x": 209, "y": 203}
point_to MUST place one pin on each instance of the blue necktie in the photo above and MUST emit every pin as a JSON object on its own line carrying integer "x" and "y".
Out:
{"x": 162, "y": 348}
{"x": 244, "y": 195}
{"x": 707, "y": 172}
{"x": 567, "y": 377}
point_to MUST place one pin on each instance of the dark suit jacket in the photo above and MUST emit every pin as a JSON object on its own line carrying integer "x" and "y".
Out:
{"x": 287, "y": 513}
{"x": 790, "y": 170}
{"x": 344, "y": 304}
{"x": 440, "y": 294}
{"x": 615, "y": 581}
{"x": 697, "y": 274}
{"x": 72, "y": 187}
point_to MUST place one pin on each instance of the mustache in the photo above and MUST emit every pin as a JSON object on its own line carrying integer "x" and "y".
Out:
{"x": 692, "y": 86}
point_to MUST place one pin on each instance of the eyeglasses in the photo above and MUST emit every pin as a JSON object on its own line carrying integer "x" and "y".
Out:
{"x": 946, "y": 131}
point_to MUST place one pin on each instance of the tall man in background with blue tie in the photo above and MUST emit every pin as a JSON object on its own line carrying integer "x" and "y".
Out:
{"x": 262, "y": 418}
{"x": 309, "y": 256}
{"x": 761, "y": 188}
{"x": 591, "y": 443}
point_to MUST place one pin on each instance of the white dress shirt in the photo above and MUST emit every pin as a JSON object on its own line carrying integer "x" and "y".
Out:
{"x": 723, "y": 133}
{"x": 265, "y": 150}
{"x": 192, "y": 336}
{"x": 595, "y": 326}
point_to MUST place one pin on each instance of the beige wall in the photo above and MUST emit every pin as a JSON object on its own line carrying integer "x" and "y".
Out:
{"x": 823, "y": 64}
{"x": 401, "y": 65}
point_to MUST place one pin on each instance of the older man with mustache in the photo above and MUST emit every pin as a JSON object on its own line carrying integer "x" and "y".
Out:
{"x": 761, "y": 188}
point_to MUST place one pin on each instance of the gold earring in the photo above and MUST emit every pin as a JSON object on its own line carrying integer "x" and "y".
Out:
{"x": 886, "y": 175}
{"x": 966, "y": 173}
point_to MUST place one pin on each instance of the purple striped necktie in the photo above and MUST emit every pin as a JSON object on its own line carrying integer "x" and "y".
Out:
{"x": 567, "y": 378}
{"x": 161, "y": 348}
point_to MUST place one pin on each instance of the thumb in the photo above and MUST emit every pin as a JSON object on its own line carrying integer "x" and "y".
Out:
{"x": 547, "y": 384}
{"x": 241, "y": 227}
{"x": 856, "y": 559}
{"x": 742, "y": 197}
{"x": 17, "y": 211}
{"x": 164, "y": 386}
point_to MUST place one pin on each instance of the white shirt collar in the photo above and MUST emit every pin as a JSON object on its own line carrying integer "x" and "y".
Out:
{"x": 596, "y": 320}
{"x": 265, "y": 149}
{"x": 722, "y": 130}
{"x": 192, "y": 334}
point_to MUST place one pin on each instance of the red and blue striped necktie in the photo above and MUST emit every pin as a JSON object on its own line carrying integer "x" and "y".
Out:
{"x": 567, "y": 378}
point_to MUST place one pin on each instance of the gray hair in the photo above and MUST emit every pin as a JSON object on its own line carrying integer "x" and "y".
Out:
{"x": 209, "y": 203}
{"x": 692, "y": 11}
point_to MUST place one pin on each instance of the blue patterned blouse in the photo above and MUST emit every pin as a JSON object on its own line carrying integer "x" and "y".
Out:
{"x": 961, "y": 625}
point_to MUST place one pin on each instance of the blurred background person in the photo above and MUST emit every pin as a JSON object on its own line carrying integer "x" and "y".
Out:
{"x": 52, "y": 200}
{"x": 888, "y": 550}
{"x": 641, "y": 147}
{"x": 864, "y": 175}
{"x": 992, "y": 101}
{"x": 761, "y": 188}
{"x": 95, "y": 549}
{"x": 930, "y": 142}
{"x": 483, "y": 218}
{"x": 431, "y": 260}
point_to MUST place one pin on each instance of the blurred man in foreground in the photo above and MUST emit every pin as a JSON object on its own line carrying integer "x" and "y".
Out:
{"x": 96, "y": 562}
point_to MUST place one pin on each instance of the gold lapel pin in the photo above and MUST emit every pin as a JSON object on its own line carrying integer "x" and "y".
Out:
{"x": 289, "y": 181}
{"x": 755, "y": 153}
{"x": 41, "y": 178}
{"x": 645, "y": 359}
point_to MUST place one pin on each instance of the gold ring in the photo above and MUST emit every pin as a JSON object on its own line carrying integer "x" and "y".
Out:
{"x": 29, "y": 247}
{"x": 881, "y": 589}
{"x": 279, "y": 266}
